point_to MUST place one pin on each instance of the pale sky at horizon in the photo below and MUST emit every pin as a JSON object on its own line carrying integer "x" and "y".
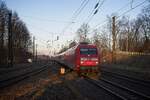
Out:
{"x": 46, "y": 19}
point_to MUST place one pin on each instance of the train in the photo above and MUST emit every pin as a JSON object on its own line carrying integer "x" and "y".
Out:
{"x": 83, "y": 58}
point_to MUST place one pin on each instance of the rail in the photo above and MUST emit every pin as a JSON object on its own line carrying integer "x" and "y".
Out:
{"x": 14, "y": 79}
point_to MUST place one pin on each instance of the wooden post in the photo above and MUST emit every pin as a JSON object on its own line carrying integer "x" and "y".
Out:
{"x": 36, "y": 52}
{"x": 10, "y": 41}
{"x": 114, "y": 39}
{"x": 33, "y": 48}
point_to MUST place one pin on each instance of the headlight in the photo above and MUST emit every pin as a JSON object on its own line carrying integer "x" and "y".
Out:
{"x": 81, "y": 62}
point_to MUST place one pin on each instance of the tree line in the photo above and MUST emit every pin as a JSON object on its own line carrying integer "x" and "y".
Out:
{"x": 132, "y": 35}
{"x": 21, "y": 39}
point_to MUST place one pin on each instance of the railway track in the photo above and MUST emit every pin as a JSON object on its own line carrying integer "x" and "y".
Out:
{"x": 131, "y": 83}
{"x": 18, "y": 67}
{"x": 119, "y": 91}
{"x": 128, "y": 78}
{"x": 15, "y": 79}
{"x": 7, "y": 70}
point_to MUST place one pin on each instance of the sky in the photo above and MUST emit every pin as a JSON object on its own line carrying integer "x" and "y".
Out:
{"x": 47, "y": 19}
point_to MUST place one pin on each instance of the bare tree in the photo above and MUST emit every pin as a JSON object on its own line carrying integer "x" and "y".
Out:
{"x": 82, "y": 32}
{"x": 145, "y": 27}
{"x": 20, "y": 33}
{"x": 3, "y": 11}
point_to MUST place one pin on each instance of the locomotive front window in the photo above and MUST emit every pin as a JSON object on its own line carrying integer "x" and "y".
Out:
{"x": 87, "y": 51}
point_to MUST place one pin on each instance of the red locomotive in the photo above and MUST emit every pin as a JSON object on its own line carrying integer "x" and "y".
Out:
{"x": 83, "y": 58}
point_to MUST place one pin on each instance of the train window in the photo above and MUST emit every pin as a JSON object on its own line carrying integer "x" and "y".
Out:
{"x": 88, "y": 51}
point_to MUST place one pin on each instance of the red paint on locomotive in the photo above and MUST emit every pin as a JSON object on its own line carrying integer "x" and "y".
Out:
{"x": 81, "y": 58}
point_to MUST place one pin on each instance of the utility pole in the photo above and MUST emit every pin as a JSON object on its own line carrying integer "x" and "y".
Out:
{"x": 2, "y": 52}
{"x": 52, "y": 47}
{"x": 127, "y": 40}
{"x": 10, "y": 41}
{"x": 114, "y": 39}
{"x": 33, "y": 48}
{"x": 36, "y": 52}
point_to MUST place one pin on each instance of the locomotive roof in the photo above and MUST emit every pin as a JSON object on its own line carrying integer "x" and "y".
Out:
{"x": 85, "y": 44}
{"x": 88, "y": 45}
{"x": 76, "y": 46}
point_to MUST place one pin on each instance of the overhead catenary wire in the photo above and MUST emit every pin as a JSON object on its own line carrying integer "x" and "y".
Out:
{"x": 79, "y": 9}
{"x": 91, "y": 13}
{"x": 76, "y": 14}
{"x": 132, "y": 8}
{"x": 95, "y": 10}
{"x": 95, "y": 7}
{"x": 101, "y": 23}
{"x": 127, "y": 11}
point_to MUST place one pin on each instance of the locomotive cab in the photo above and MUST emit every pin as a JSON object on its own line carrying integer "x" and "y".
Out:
{"x": 88, "y": 59}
